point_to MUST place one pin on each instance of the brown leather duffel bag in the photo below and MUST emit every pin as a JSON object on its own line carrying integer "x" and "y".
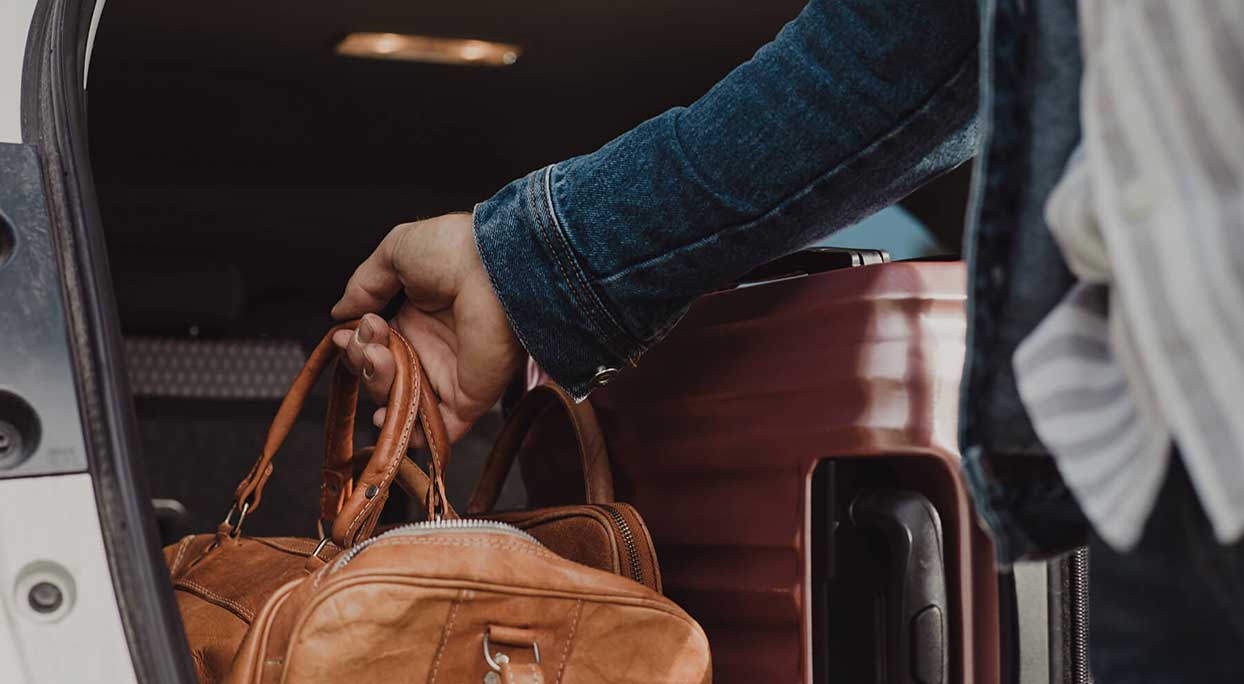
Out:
{"x": 223, "y": 579}
{"x": 600, "y": 532}
{"x": 468, "y": 601}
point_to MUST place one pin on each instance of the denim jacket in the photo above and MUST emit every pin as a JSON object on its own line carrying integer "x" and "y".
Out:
{"x": 853, "y": 105}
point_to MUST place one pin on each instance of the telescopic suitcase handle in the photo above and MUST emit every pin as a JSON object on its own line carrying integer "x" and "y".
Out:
{"x": 815, "y": 260}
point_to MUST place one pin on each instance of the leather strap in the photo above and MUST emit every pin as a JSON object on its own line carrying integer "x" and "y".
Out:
{"x": 594, "y": 459}
{"x": 512, "y": 671}
{"x": 411, "y": 478}
{"x": 339, "y": 454}
{"x": 525, "y": 673}
{"x": 338, "y": 475}
{"x": 410, "y": 402}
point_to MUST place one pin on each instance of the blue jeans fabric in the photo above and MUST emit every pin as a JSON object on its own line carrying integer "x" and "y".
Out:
{"x": 1172, "y": 609}
{"x": 1030, "y": 112}
{"x": 852, "y": 106}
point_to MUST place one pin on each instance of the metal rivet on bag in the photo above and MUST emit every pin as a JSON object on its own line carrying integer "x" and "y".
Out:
{"x": 492, "y": 678}
{"x": 372, "y": 491}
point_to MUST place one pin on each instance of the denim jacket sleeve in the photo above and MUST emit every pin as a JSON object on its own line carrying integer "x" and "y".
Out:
{"x": 852, "y": 106}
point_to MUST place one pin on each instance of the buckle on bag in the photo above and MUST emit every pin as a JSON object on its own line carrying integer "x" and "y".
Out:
{"x": 496, "y": 661}
{"x": 236, "y": 528}
{"x": 320, "y": 547}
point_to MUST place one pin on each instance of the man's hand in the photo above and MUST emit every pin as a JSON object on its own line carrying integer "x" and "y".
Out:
{"x": 451, "y": 317}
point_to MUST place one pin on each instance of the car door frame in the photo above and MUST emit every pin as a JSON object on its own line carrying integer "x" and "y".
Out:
{"x": 54, "y": 133}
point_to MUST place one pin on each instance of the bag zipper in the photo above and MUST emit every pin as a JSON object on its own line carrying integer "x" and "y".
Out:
{"x": 433, "y": 527}
{"x": 628, "y": 540}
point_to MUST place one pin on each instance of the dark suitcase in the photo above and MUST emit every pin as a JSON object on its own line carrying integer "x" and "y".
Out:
{"x": 836, "y": 358}
{"x": 792, "y": 447}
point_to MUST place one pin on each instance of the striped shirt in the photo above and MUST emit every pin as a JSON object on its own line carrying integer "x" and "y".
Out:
{"x": 1147, "y": 350}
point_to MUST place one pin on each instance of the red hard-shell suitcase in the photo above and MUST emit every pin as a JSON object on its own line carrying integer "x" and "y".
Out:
{"x": 716, "y": 435}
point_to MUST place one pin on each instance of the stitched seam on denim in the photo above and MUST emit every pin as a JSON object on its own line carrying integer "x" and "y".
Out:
{"x": 999, "y": 202}
{"x": 496, "y": 285}
{"x": 692, "y": 170}
{"x": 976, "y": 202}
{"x": 949, "y": 88}
{"x": 608, "y": 330}
{"x": 449, "y": 628}
{"x": 574, "y": 625}
{"x": 560, "y": 232}
{"x": 541, "y": 229}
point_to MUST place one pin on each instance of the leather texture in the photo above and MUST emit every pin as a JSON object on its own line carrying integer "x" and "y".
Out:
{"x": 601, "y": 532}
{"x": 417, "y": 607}
{"x": 548, "y": 407}
{"x": 456, "y": 600}
{"x": 714, "y": 437}
{"x": 223, "y": 581}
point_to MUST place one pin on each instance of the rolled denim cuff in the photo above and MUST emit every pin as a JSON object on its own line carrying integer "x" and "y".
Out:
{"x": 552, "y": 307}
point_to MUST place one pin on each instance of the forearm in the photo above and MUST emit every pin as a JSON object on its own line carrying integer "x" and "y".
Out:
{"x": 853, "y": 105}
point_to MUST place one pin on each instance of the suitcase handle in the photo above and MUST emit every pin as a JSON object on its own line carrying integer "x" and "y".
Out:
{"x": 814, "y": 260}
{"x": 915, "y": 649}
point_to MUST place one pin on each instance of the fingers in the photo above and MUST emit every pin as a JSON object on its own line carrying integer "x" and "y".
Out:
{"x": 366, "y": 353}
{"x": 374, "y": 282}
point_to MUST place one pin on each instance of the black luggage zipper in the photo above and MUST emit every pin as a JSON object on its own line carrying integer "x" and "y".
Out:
{"x": 628, "y": 541}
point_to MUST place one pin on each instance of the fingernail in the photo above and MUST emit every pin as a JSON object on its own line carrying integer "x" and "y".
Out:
{"x": 363, "y": 332}
{"x": 369, "y": 371}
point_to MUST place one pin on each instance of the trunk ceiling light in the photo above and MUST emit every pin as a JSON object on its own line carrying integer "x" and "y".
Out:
{"x": 411, "y": 48}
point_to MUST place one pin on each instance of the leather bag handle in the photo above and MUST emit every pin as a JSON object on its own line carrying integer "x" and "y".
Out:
{"x": 411, "y": 402}
{"x": 594, "y": 459}
{"x": 339, "y": 452}
{"x": 411, "y": 478}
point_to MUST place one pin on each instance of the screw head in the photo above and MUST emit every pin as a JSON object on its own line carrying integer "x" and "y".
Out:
{"x": 10, "y": 444}
{"x": 45, "y": 597}
{"x": 372, "y": 491}
{"x": 10, "y": 438}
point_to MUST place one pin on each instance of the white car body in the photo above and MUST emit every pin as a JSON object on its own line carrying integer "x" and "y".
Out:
{"x": 82, "y": 639}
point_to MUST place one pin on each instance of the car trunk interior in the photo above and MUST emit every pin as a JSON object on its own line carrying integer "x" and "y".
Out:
{"x": 244, "y": 169}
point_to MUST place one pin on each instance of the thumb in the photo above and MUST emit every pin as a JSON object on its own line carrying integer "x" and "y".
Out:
{"x": 374, "y": 282}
